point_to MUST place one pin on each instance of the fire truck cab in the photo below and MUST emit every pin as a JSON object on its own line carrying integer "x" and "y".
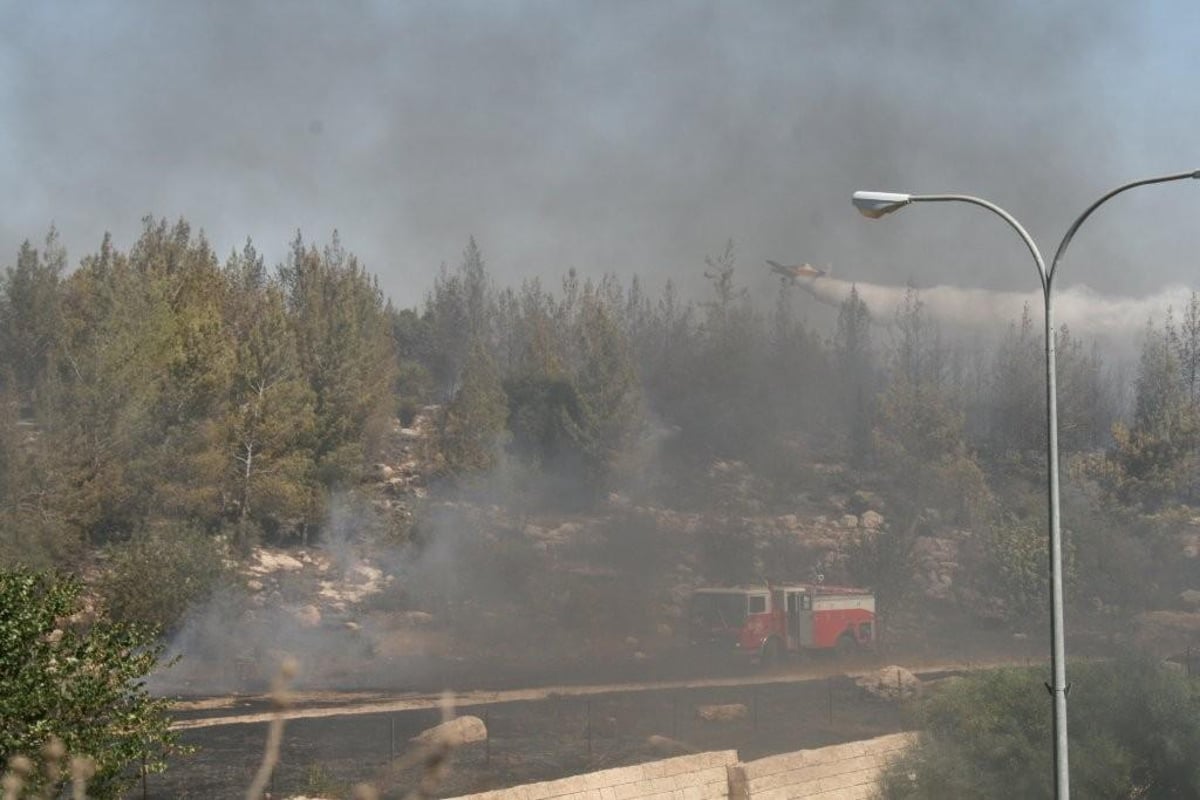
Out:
{"x": 768, "y": 621}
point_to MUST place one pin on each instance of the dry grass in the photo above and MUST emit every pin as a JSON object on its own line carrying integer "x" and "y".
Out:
{"x": 21, "y": 770}
{"x": 280, "y": 700}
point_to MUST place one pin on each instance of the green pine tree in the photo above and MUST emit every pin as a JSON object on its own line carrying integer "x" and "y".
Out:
{"x": 270, "y": 422}
{"x": 30, "y": 319}
{"x": 474, "y": 422}
{"x": 343, "y": 334}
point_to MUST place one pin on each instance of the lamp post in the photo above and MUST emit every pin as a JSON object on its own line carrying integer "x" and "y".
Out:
{"x": 876, "y": 205}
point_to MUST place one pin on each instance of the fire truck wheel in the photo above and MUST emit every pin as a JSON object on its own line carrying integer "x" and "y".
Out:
{"x": 846, "y": 645}
{"x": 772, "y": 652}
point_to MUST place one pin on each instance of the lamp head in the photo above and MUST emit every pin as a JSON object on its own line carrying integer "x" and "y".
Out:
{"x": 876, "y": 204}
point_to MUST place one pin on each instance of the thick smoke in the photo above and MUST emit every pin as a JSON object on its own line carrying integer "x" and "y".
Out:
{"x": 631, "y": 138}
{"x": 628, "y": 138}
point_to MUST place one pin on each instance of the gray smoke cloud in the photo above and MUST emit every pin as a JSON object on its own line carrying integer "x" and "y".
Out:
{"x": 621, "y": 137}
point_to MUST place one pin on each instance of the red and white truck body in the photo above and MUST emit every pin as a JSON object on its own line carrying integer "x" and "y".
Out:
{"x": 768, "y": 621}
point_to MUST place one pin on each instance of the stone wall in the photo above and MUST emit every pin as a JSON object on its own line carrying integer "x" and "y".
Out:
{"x": 840, "y": 772}
{"x": 703, "y": 776}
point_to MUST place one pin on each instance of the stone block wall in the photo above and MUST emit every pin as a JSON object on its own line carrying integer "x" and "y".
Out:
{"x": 703, "y": 776}
{"x": 840, "y": 772}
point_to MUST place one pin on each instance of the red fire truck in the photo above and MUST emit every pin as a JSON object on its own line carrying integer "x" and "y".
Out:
{"x": 768, "y": 621}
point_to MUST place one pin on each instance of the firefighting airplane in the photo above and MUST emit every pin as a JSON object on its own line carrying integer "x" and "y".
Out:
{"x": 797, "y": 271}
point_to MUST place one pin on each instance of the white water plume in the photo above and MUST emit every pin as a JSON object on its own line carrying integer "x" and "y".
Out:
{"x": 1113, "y": 320}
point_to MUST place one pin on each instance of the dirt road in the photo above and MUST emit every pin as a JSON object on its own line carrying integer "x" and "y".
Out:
{"x": 313, "y": 705}
{"x": 334, "y": 739}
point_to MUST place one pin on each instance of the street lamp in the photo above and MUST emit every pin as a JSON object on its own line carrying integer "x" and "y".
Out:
{"x": 876, "y": 205}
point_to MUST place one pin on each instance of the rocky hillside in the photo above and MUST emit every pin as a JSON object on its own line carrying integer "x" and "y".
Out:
{"x": 480, "y": 582}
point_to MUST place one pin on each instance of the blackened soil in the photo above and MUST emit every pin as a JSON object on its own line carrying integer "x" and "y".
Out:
{"x": 530, "y": 741}
{"x": 564, "y": 734}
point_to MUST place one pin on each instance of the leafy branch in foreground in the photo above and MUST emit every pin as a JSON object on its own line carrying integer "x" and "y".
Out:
{"x": 71, "y": 676}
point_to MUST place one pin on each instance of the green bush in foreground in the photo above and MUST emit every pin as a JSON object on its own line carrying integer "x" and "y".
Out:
{"x": 1134, "y": 732}
{"x": 70, "y": 675}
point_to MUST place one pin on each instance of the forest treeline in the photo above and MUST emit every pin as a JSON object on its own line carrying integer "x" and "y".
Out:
{"x": 165, "y": 388}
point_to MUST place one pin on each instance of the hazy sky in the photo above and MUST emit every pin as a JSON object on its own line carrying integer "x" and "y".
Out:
{"x": 617, "y": 136}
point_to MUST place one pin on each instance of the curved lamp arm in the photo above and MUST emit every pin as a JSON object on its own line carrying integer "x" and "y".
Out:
{"x": 1070, "y": 234}
{"x": 877, "y": 204}
{"x": 1000, "y": 212}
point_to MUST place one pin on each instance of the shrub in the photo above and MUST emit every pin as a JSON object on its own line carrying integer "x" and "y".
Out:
{"x": 157, "y": 575}
{"x": 1134, "y": 729}
{"x": 36, "y": 540}
{"x": 77, "y": 678}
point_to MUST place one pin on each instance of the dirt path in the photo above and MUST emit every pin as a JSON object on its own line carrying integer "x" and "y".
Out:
{"x": 333, "y": 739}
{"x": 324, "y": 751}
{"x": 311, "y": 705}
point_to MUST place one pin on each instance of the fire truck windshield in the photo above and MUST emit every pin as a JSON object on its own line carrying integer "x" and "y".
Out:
{"x": 718, "y": 610}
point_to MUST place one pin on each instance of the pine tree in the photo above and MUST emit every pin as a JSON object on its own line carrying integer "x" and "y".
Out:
{"x": 1018, "y": 423}
{"x": 460, "y": 309}
{"x": 1084, "y": 399}
{"x": 722, "y": 382}
{"x": 100, "y": 401}
{"x": 542, "y": 399}
{"x": 665, "y": 353}
{"x": 1188, "y": 349}
{"x": 919, "y": 433}
{"x": 475, "y": 420}
{"x": 606, "y": 390}
{"x": 183, "y": 468}
{"x": 1155, "y": 461}
{"x": 29, "y": 313}
{"x": 343, "y": 335}
{"x": 1159, "y": 398}
{"x": 412, "y": 335}
{"x": 919, "y": 413}
{"x": 271, "y": 420}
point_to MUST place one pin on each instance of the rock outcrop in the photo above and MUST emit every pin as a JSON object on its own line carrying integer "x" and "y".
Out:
{"x": 890, "y": 683}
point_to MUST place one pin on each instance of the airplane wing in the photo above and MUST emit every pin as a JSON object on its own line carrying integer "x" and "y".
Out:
{"x": 795, "y": 271}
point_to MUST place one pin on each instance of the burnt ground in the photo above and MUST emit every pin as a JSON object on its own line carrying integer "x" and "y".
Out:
{"x": 530, "y": 741}
{"x": 571, "y": 730}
